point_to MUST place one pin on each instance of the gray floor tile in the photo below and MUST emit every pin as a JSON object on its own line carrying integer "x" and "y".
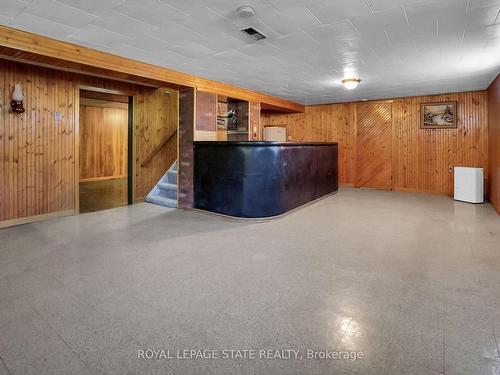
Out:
{"x": 410, "y": 280}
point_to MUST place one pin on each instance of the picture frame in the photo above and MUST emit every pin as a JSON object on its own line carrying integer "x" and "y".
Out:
{"x": 440, "y": 115}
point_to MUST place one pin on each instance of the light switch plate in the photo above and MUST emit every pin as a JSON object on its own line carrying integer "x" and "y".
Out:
{"x": 57, "y": 116}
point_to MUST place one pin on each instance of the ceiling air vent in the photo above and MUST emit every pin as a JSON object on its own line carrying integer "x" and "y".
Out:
{"x": 252, "y": 33}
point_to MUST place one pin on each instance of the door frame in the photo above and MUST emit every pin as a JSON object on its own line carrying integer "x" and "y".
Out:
{"x": 130, "y": 143}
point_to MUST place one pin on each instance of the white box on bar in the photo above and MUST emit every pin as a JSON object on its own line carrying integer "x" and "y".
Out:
{"x": 469, "y": 184}
{"x": 275, "y": 134}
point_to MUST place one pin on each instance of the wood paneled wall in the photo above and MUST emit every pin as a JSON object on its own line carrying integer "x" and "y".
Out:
{"x": 494, "y": 142}
{"x": 38, "y": 161}
{"x": 420, "y": 157}
{"x": 328, "y": 123}
{"x": 374, "y": 145}
{"x": 156, "y": 115}
{"x": 103, "y": 142}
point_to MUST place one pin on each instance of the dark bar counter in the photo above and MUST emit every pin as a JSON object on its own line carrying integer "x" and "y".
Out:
{"x": 262, "y": 179}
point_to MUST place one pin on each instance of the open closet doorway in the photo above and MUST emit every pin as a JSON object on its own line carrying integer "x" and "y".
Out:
{"x": 105, "y": 152}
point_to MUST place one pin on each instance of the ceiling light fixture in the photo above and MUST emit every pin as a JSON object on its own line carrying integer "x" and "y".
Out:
{"x": 245, "y": 11}
{"x": 351, "y": 83}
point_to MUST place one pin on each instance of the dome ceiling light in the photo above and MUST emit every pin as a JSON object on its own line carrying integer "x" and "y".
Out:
{"x": 350, "y": 83}
{"x": 245, "y": 11}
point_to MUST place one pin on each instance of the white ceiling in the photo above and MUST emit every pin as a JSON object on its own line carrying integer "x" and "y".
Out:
{"x": 397, "y": 47}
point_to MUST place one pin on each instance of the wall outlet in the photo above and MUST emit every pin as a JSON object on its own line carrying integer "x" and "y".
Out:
{"x": 57, "y": 116}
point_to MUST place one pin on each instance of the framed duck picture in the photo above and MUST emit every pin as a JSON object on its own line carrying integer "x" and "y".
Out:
{"x": 439, "y": 115}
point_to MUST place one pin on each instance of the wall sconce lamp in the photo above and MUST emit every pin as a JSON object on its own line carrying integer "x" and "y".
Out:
{"x": 16, "y": 104}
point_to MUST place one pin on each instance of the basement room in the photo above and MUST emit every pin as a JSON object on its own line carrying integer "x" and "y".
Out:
{"x": 268, "y": 187}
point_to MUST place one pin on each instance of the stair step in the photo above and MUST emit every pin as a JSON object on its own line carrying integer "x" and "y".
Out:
{"x": 172, "y": 177}
{"x": 166, "y": 193}
{"x": 167, "y": 186}
{"x": 162, "y": 201}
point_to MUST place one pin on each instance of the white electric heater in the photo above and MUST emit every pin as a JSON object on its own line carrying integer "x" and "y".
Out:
{"x": 469, "y": 184}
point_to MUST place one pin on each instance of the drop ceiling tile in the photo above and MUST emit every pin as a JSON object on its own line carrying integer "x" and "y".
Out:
{"x": 482, "y": 17}
{"x": 151, "y": 44}
{"x": 334, "y": 35}
{"x": 334, "y": 11}
{"x": 402, "y": 47}
{"x": 474, "y": 4}
{"x": 43, "y": 26}
{"x": 152, "y": 12}
{"x": 96, "y": 7}
{"x": 478, "y": 34}
{"x": 425, "y": 29}
{"x": 381, "y": 5}
{"x": 99, "y": 36}
{"x": 177, "y": 33}
{"x": 291, "y": 20}
{"x": 133, "y": 52}
{"x": 59, "y": 13}
{"x": 11, "y": 8}
{"x": 193, "y": 50}
{"x": 186, "y": 7}
{"x": 5, "y": 20}
{"x": 123, "y": 24}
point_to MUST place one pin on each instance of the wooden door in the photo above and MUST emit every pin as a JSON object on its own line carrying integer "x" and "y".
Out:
{"x": 103, "y": 141}
{"x": 373, "y": 145}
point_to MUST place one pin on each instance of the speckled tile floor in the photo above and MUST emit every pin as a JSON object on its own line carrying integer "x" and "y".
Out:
{"x": 411, "y": 281}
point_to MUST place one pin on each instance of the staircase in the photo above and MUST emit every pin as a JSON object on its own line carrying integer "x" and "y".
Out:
{"x": 165, "y": 191}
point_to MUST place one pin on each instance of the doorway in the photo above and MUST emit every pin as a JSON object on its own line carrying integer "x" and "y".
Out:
{"x": 105, "y": 168}
{"x": 374, "y": 145}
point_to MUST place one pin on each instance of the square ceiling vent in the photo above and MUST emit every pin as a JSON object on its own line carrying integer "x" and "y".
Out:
{"x": 254, "y": 34}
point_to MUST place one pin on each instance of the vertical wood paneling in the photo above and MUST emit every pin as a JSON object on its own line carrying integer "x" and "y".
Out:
{"x": 156, "y": 115}
{"x": 420, "y": 157}
{"x": 38, "y": 173}
{"x": 103, "y": 142}
{"x": 494, "y": 142}
{"x": 329, "y": 123}
{"x": 423, "y": 157}
{"x": 37, "y": 151}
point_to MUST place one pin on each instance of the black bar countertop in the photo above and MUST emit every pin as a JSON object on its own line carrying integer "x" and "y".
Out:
{"x": 262, "y": 179}
{"x": 262, "y": 143}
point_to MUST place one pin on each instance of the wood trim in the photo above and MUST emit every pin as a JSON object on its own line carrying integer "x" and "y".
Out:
{"x": 493, "y": 176}
{"x": 92, "y": 179}
{"x": 32, "y": 219}
{"x": 419, "y": 191}
{"x": 106, "y": 96}
{"x": 76, "y": 151}
{"x": 158, "y": 148}
{"x": 44, "y": 51}
{"x": 103, "y": 103}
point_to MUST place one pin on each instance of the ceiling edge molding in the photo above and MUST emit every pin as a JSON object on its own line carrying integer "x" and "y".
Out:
{"x": 35, "y": 49}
